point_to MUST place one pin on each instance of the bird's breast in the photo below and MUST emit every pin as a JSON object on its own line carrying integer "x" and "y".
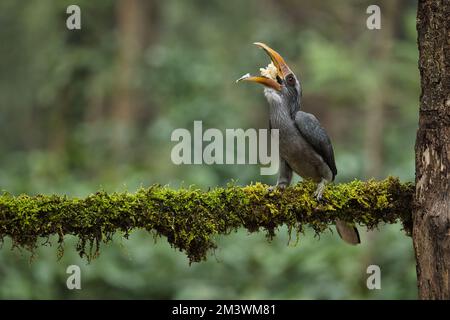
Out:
{"x": 297, "y": 152}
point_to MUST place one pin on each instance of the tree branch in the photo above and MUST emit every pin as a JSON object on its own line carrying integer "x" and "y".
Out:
{"x": 190, "y": 219}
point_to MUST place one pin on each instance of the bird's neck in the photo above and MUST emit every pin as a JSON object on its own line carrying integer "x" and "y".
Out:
{"x": 285, "y": 110}
{"x": 282, "y": 107}
{"x": 281, "y": 117}
{"x": 295, "y": 106}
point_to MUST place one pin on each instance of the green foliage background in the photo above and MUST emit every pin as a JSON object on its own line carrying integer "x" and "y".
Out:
{"x": 64, "y": 130}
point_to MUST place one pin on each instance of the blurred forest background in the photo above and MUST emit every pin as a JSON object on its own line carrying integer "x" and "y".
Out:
{"x": 94, "y": 109}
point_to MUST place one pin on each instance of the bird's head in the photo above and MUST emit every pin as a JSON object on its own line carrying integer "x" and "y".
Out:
{"x": 281, "y": 84}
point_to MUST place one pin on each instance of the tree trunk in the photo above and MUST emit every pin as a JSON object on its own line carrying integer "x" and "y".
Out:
{"x": 431, "y": 232}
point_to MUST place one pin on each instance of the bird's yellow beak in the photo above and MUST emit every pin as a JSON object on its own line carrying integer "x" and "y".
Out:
{"x": 277, "y": 59}
{"x": 267, "y": 78}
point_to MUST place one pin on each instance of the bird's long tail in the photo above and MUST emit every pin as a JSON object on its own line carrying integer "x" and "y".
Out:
{"x": 347, "y": 232}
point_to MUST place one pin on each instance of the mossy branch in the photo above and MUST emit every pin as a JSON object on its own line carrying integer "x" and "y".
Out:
{"x": 190, "y": 219}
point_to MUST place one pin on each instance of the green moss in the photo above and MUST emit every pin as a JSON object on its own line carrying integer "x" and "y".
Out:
{"x": 190, "y": 219}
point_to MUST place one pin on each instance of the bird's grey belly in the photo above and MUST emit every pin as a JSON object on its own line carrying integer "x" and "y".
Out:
{"x": 301, "y": 157}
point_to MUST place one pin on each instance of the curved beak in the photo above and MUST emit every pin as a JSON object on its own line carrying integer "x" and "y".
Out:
{"x": 282, "y": 69}
{"x": 277, "y": 59}
{"x": 262, "y": 80}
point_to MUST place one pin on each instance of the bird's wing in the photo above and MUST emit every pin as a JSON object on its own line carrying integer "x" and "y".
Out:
{"x": 317, "y": 137}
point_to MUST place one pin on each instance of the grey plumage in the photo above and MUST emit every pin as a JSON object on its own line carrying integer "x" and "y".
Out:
{"x": 295, "y": 149}
{"x": 315, "y": 134}
{"x": 347, "y": 232}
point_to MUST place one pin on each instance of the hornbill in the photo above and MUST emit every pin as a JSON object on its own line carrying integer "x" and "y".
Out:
{"x": 304, "y": 145}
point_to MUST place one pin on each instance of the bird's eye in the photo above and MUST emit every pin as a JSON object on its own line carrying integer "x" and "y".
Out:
{"x": 290, "y": 80}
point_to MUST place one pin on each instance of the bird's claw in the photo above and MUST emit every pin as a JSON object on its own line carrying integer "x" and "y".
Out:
{"x": 319, "y": 192}
{"x": 318, "y": 195}
{"x": 280, "y": 187}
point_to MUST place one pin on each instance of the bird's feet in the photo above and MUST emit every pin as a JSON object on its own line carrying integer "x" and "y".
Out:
{"x": 318, "y": 195}
{"x": 319, "y": 191}
{"x": 280, "y": 186}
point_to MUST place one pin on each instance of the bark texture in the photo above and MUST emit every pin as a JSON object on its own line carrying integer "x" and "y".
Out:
{"x": 431, "y": 231}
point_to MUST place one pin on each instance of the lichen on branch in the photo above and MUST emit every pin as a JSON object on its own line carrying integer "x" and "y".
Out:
{"x": 191, "y": 219}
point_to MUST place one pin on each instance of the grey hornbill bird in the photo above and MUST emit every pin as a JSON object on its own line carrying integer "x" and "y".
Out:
{"x": 304, "y": 145}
